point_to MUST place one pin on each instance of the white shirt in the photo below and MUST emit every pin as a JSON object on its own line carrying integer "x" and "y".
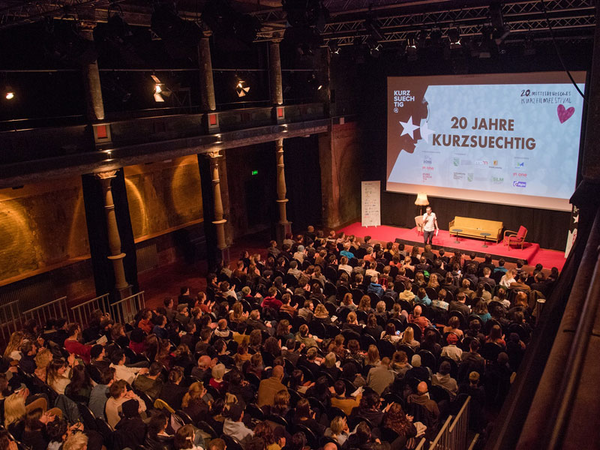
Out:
{"x": 429, "y": 221}
{"x": 125, "y": 373}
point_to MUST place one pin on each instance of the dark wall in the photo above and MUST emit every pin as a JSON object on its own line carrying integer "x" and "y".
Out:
{"x": 303, "y": 179}
{"x": 548, "y": 228}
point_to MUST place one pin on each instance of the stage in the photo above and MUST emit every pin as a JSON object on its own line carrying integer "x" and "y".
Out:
{"x": 532, "y": 254}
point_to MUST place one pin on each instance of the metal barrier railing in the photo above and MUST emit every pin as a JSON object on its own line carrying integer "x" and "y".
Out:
{"x": 54, "y": 309}
{"x": 442, "y": 440}
{"x": 453, "y": 434}
{"x": 10, "y": 319}
{"x": 460, "y": 427}
{"x": 421, "y": 445}
{"x": 125, "y": 310}
{"x": 82, "y": 312}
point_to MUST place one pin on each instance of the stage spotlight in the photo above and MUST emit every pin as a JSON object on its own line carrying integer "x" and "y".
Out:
{"x": 9, "y": 94}
{"x": 314, "y": 82}
{"x": 160, "y": 90}
{"x": 241, "y": 88}
{"x": 334, "y": 47}
{"x": 411, "y": 48}
{"x": 454, "y": 38}
{"x": 374, "y": 46}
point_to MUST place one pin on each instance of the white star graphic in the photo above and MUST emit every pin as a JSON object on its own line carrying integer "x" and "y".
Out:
{"x": 409, "y": 128}
{"x": 425, "y": 131}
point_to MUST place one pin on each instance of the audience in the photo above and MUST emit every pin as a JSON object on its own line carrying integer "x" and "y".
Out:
{"x": 276, "y": 354}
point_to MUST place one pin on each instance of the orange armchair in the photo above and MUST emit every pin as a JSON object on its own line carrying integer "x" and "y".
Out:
{"x": 515, "y": 237}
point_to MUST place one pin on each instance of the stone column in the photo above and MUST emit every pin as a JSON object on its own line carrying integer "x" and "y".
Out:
{"x": 283, "y": 226}
{"x": 219, "y": 222}
{"x": 275, "y": 79}
{"x": 207, "y": 85}
{"x": 114, "y": 239}
{"x": 91, "y": 79}
{"x": 275, "y": 73}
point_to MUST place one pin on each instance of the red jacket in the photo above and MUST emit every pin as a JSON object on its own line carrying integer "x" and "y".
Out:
{"x": 83, "y": 351}
{"x": 271, "y": 302}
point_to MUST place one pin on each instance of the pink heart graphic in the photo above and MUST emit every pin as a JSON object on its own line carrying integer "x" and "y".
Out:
{"x": 564, "y": 114}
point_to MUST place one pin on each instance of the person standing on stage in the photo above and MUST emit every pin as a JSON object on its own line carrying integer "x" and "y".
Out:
{"x": 430, "y": 225}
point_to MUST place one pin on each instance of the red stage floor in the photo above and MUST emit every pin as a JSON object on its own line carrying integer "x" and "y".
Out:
{"x": 532, "y": 254}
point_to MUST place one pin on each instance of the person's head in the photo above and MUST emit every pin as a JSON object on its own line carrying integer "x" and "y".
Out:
{"x": 415, "y": 361}
{"x": 264, "y": 431}
{"x": 338, "y": 425}
{"x": 340, "y": 388}
{"x": 43, "y": 358}
{"x": 56, "y": 430}
{"x": 480, "y": 308}
{"x": 390, "y": 329}
{"x": 107, "y": 376}
{"x": 303, "y": 408}
{"x": 158, "y": 423}
{"x": 281, "y": 400}
{"x": 97, "y": 352}
{"x": 216, "y": 444}
{"x": 422, "y": 388}
{"x": 372, "y": 355}
{"x": 218, "y": 372}
{"x": 445, "y": 368}
{"x": 278, "y": 372}
{"x": 400, "y": 357}
{"x": 76, "y": 441}
{"x": 395, "y": 417}
{"x": 56, "y": 369}
{"x": 409, "y": 335}
{"x": 428, "y": 210}
{"x": 118, "y": 389}
{"x": 496, "y": 332}
{"x": 417, "y": 311}
{"x": 80, "y": 378}
{"x": 14, "y": 408}
{"x": 461, "y": 297}
{"x": 175, "y": 375}
{"x": 14, "y": 342}
{"x": 184, "y": 437}
{"x": 330, "y": 360}
{"x": 365, "y": 302}
{"x": 352, "y": 318}
{"x": 474, "y": 346}
{"x": 235, "y": 412}
{"x": 474, "y": 378}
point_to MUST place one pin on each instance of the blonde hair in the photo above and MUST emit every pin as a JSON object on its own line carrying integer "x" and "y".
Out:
{"x": 14, "y": 343}
{"x": 194, "y": 392}
{"x": 321, "y": 310}
{"x": 337, "y": 425}
{"x": 14, "y": 409}
{"x": 409, "y": 336}
{"x": 77, "y": 441}
{"x": 43, "y": 358}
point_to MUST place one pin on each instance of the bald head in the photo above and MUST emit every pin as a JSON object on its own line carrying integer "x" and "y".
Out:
{"x": 417, "y": 311}
{"x": 422, "y": 388}
{"x": 278, "y": 372}
{"x": 330, "y": 446}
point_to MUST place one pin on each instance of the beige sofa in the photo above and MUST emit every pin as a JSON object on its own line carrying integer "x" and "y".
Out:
{"x": 473, "y": 228}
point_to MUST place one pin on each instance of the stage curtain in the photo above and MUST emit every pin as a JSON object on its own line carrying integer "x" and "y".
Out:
{"x": 547, "y": 228}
